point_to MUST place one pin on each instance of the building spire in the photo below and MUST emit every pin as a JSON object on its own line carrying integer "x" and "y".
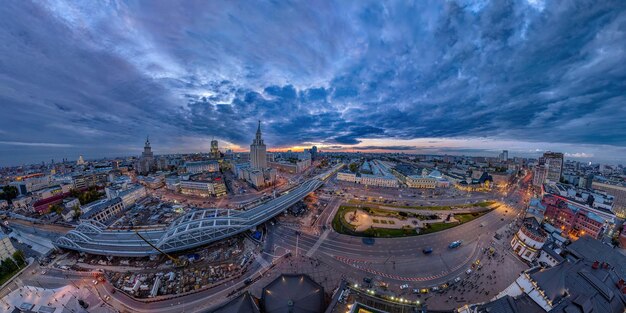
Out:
{"x": 148, "y": 141}
{"x": 258, "y": 130}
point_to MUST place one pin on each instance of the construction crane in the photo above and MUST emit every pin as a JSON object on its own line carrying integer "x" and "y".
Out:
{"x": 177, "y": 262}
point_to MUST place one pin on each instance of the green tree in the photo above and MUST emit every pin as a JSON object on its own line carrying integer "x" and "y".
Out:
{"x": 354, "y": 167}
{"x": 9, "y": 265}
{"x": 8, "y": 193}
{"x": 19, "y": 258}
{"x": 77, "y": 211}
{"x": 55, "y": 208}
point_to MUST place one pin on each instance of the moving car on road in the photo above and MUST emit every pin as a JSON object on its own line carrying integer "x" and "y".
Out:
{"x": 455, "y": 244}
{"x": 427, "y": 250}
{"x": 405, "y": 286}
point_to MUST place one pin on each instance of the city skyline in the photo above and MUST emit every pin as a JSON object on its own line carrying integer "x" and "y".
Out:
{"x": 313, "y": 156}
{"x": 464, "y": 77}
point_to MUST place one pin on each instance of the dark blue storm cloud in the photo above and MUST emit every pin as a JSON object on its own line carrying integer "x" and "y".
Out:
{"x": 96, "y": 77}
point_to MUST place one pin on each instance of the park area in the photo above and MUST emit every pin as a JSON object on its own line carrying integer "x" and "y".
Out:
{"x": 388, "y": 221}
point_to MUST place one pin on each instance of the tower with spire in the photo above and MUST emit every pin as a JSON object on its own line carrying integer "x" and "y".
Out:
{"x": 258, "y": 151}
{"x": 147, "y": 150}
{"x": 146, "y": 163}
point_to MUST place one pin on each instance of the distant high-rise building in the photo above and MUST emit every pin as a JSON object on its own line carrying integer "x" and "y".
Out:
{"x": 313, "y": 152}
{"x": 215, "y": 152}
{"x": 80, "y": 161}
{"x": 554, "y": 161}
{"x": 146, "y": 162}
{"x": 586, "y": 181}
{"x": 258, "y": 151}
{"x": 504, "y": 156}
{"x": 258, "y": 173}
{"x": 540, "y": 173}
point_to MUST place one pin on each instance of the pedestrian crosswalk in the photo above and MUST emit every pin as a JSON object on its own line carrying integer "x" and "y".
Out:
{"x": 318, "y": 243}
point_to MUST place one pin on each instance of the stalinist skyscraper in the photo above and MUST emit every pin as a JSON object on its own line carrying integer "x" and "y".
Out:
{"x": 258, "y": 153}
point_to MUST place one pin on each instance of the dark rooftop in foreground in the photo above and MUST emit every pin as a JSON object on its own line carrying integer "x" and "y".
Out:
{"x": 508, "y": 304}
{"x": 245, "y": 303}
{"x": 594, "y": 250}
{"x": 578, "y": 287}
{"x": 590, "y": 280}
{"x": 293, "y": 294}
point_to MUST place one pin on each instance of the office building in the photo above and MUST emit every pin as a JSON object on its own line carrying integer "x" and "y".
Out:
{"x": 314, "y": 152}
{"x": 504, "y": 156}
{"x": 539, "y": 175}
{"x": 215, "y": 152}
{"x": 87, "y": 180}
{"x": 618, "y": 191}
{"x": 554, "y": 162}
{"x": 203, "y": 185}
{"x": 131, "y": 195}
{"x": 202, "y": 166}
{"x": 102, "y": 211}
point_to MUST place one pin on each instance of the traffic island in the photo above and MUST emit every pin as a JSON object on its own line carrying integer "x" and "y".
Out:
{"x": 400, "y": 222}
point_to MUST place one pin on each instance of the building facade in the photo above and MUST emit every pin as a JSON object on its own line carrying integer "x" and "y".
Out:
{"x": 215, "y": 152}
{"x": 417, "y": 181}
{"x": 258, "y": 151}
{"x": 103, "y": 211}
{"x": 554, "y": 162}
{"x": 573, "y": 221}
{"x": 202, "y": 166}
{"x": 258, "y": 174}
{"x": 619, "y": 196}
{"x": 529, "y": 239}
{"x": 146, "y": 162}
{"x": 539, "y": 175}
{"x": 203, "y": 187}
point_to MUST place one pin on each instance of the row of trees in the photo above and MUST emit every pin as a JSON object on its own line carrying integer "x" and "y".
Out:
{"x": 8, "y": 266}
{"x": 87, "y": 196}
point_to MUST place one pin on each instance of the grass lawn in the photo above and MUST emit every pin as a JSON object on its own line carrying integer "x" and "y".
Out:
{"x": 435, "y": 227}
{"x": 339, "y": 223}
{"x": 388, "y": 232}
{"x": 463, "y": 218}
{"x": 341, "y": 226}
{"x": 7, "y": 276}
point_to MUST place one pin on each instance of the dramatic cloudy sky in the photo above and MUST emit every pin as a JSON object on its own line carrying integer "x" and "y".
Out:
{"x": 474, "y": 77}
